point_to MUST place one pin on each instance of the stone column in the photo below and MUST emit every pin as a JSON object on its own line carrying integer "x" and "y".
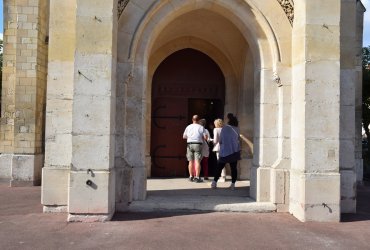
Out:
{"x": 351, "y": 62}
{"x": 58, "y": 132}
{"x": 245, "y": 112}
{"x": 266, "y": 134}
{"x": 23, "y": 95}
{"x": 92, "y": 177}
{"x": 315, "y": 179}
{"x": 280, "y": 169}
{"x": 358, "y": 103}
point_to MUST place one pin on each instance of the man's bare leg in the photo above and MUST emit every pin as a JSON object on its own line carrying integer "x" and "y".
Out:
{"x": 191, "y": 168}
{"x": 197, "y": 168}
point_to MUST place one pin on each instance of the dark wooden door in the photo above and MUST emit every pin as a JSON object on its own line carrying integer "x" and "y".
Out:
{"x": 169, "y": 119}
{"x": 180, "y": 80}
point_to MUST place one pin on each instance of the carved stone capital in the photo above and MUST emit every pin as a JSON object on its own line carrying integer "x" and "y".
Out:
{"x": 288, "y": 7}
{"x": 121, "y": 6}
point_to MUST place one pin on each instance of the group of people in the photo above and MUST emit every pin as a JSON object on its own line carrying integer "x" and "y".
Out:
{"x": 226, "y": 145}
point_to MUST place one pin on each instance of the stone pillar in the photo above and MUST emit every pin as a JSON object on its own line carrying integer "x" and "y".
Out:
{"x": 358, "y": 81}
{"x": 135, "y": 135}
{"x": 280, "y": 169}
{"x": 92, "y": 177}
{"x": 58, "y": 132}
{"x": 23, "y": 95}
{"x": 350, "y": 129}
{"x": 245, "y": 112}
{"x": 124, "y": 182}
{"x": 266, "y": 134}
{"x": 314, "y": 177}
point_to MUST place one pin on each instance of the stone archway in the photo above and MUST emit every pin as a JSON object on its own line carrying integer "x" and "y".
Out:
{"x": 250, "y": 86}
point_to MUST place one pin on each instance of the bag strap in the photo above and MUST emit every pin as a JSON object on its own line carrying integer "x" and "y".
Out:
{"x": 233, "y": 130}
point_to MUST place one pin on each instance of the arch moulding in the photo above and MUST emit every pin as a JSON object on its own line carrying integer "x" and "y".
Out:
{"x": 139, "y": 61}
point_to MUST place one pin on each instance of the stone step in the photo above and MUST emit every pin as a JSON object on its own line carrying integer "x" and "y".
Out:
{"x": 201, "y": 203}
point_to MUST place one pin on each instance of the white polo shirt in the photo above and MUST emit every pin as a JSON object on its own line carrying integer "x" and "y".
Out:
{"x": 194, "y": 133}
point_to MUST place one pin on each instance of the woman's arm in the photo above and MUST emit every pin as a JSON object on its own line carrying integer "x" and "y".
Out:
{"x": 208, "y": 136}
{"x": 216, "y": 136}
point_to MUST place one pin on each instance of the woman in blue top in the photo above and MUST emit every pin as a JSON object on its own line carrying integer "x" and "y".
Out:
{"x": 229, "y": 150}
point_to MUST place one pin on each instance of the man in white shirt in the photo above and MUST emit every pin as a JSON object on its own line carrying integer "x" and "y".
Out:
{"x": 194, "y": 135}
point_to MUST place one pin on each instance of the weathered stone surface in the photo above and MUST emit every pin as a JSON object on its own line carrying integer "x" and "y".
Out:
{"x": 315, "y": 197}
{"x": 123, "y": 188}
{"x": 5, "y": 166}
{"x": 348, "y": 191}
{"x": 55, "y": 209}
{"x": 279, "y": 183}
{"x": 94, "y": 198}
{"x": 216, "y": 204}
{"x": 54, "y": 183}
{"x": 89, "y": 218}
{"x": 26, "y": 170}
{"x": 263, "y": 192}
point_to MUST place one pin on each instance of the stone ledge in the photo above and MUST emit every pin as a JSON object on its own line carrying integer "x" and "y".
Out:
{"x": 208, "y": 203}
{"x": 55, "y": 209}
{"x": 4, "y": 180}
{"x": 17, "y": 183}
{"x": 26, "y": 170}
{"x": 89, "y": 217}
{"x": 5, "y": 166}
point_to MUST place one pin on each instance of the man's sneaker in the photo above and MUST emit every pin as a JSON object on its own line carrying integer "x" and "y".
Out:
{"x": 191, "y": 178}
{"x": 214, "y": 185}
{"x": 198, "y": 180}
{"x": 232, "y": 186}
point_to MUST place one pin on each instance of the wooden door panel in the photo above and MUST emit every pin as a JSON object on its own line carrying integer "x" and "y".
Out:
{"x": 168, "y": 149}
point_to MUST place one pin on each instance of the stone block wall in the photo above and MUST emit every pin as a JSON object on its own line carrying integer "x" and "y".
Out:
{"x": 24, "y": 85}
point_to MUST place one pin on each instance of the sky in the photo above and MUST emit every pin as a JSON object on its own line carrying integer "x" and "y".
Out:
{"x": 1, "y": 20}
{"x": 366, "y": 22}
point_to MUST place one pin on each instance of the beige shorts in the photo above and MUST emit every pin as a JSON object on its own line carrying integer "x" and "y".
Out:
{"x": 194, "y": 152}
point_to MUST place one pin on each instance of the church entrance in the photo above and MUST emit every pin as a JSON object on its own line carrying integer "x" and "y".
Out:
{"x": 187, "y": 82}
{"x": 183, "y": 56}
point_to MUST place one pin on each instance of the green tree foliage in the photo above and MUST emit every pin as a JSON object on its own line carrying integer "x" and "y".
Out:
{"x": 366, "y": 108}
{"x": 366, "y": 57}
{"x": 366, "y": 90}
